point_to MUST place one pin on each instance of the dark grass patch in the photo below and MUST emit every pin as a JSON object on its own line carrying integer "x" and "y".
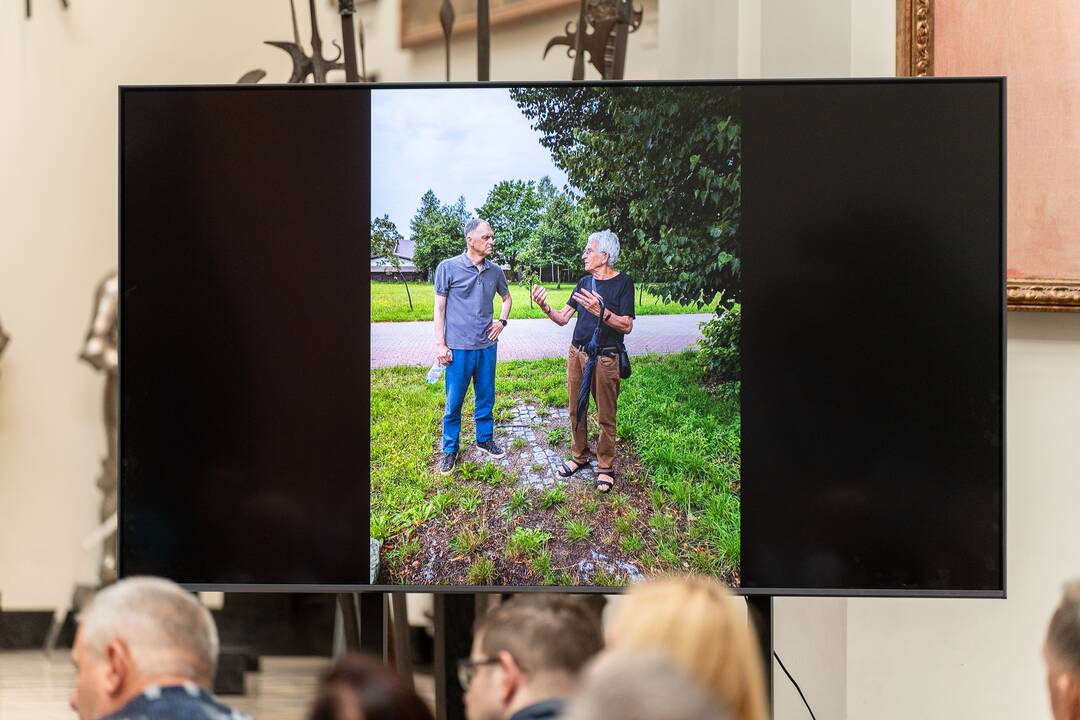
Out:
{"x": 675, "y": 505}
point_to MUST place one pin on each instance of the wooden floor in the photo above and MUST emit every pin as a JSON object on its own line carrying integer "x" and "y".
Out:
{"x": 33, "y": 687}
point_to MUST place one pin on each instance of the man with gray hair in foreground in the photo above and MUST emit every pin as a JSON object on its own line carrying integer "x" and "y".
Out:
{"x": 1062, "y": 654}
{"x": 641, "y": 687}
{"x": 146, "y": 648}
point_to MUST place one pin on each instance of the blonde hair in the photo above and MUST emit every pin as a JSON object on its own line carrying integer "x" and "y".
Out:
{"x": 695, "y": 622}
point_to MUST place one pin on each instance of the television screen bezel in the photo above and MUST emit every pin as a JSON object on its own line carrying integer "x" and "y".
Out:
{"x": 1000, "y": 593}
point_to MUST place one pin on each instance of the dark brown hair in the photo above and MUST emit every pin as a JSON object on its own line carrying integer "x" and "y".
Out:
{"x": 1063, "y": 637}
{"x": 543, "y": 633}
{"x": 360, "y": 687}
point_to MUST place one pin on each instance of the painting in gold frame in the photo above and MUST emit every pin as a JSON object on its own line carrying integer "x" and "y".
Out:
{"x": 1029, "y": 43}
{"x": 420, "y": 18}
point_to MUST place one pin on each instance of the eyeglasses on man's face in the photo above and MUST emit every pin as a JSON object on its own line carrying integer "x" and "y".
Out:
{"x": 467, "y": 669}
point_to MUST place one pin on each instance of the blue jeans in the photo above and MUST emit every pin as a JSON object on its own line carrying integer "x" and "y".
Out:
{"x": 479, "y": 367}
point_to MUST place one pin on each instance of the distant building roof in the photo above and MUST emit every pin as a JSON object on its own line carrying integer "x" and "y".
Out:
{"x": 406, "y": 249}
{"x": 379, "y": 265}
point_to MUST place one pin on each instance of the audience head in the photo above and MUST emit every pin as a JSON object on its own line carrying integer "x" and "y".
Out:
{"x": 699, "y": 626}
{"x": 527, "y": 650}
{"x": 1062, "y": 653}
{"x": 641, "y": 687}
{"x": 139, "y": 632}
{"x": 358, "y": 687}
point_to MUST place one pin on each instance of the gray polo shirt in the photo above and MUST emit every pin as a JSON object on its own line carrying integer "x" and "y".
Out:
{"x": 469, "y": 294}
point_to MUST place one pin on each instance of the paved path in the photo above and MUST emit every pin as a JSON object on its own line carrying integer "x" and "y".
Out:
{"x": 411, "y": 343}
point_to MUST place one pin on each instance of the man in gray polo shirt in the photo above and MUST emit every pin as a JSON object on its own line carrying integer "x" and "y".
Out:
{"x": 466, "y": 337}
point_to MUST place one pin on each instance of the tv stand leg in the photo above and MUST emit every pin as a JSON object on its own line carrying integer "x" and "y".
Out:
{"x": 760, "y": 613}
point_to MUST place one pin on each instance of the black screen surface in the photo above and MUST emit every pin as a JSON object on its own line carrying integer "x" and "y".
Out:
{"x": 872, "y": 336}
{"x": 872, "y": 276}
{"x": 244, "y": 413}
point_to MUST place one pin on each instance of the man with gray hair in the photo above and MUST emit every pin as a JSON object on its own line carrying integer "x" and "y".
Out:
{"x": 604, "y": 302}
{"x": 1062, "y": 654}
{"x": 641, "y": 687}
{"x": 466, "y": 337}
{"x": 145, "y": 648}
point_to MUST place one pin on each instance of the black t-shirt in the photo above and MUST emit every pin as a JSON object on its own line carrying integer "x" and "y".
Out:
{"x": 618, "y": 294}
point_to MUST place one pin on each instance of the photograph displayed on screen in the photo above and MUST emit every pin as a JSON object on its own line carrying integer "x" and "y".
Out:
{"x": 594, "y": 437}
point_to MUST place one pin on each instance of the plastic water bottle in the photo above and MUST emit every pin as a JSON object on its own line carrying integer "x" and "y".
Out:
{"x": 435, "y": 372}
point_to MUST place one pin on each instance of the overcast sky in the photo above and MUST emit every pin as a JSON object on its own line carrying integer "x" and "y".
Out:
{"x": 455, "y": 141}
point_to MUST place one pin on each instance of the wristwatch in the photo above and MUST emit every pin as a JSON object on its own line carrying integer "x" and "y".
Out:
{"x": 502, "y": 321}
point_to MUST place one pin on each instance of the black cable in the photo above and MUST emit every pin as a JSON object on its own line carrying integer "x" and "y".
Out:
{"x": 795, "y": 684}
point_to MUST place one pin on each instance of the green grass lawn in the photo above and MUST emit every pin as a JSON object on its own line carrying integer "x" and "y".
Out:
{"x": 686, "y": 440}
{"x": 390, "y": 303}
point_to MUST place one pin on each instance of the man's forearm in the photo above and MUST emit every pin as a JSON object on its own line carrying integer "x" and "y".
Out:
{"x": 507, "y": 303}
{"x": 622, "y": 323}
{"x": 440, "y": 321}
{"x": 559, "y": 317}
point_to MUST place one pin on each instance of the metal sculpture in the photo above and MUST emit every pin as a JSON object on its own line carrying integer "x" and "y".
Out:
{"x": 611, "y": 22}
{"x": 251, "y": 77}
{"x": 446, "y": 19}
{"x": 64, "y": 3}
{"x": 346, "y": 9}
{"x": 100, "y": 351}
{"x": 314, "y": 65}
{"x": 483, "y": 40}
{"x": 363, "y": 61}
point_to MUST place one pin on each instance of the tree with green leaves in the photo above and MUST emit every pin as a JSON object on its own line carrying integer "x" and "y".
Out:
{"x": 662, "y": 167}
{"x": 384, "y": 244}
{"x": 558, "y": 237}
{"x": 438, "y": 231}
{"x": 513, "y": 208}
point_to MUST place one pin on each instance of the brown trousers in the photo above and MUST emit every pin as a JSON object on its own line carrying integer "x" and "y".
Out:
{"x": 606, "y": 394}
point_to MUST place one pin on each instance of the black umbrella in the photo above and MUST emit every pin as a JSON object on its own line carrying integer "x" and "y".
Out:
{"x": 592, "y": 349}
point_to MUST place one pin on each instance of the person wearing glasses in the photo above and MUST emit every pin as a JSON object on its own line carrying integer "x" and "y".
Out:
{"x": 527, "y": 655}
{"x": 604, "y": 302}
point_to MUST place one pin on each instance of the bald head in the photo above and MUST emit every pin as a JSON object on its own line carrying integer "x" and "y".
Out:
{"x": 1062, "y": 653}
{"x": 165, "y": 628}
{"x": 1063, "y": 636}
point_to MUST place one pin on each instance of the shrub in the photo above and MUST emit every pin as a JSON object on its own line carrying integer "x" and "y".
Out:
{"x": 720, "y": 347}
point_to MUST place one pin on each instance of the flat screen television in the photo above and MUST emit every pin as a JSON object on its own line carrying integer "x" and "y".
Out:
{"x": 807, "y": 279}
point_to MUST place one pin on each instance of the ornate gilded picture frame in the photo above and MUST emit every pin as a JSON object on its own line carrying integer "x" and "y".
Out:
{"x": 420, "y": 18}
{"x": 1035, "y": 54}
